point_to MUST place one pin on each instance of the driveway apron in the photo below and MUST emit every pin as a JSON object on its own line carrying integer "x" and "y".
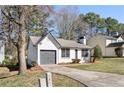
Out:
{"x": 88, "y": 78}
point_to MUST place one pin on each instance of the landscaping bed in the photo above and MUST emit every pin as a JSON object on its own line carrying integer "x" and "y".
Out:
{"x": 30, "y": 79}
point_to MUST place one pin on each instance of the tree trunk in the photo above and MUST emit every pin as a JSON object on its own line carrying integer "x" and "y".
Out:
{"x": 21, "y": 54}
{"x": 22, "y": 42}
{"x": 94, "y": 59}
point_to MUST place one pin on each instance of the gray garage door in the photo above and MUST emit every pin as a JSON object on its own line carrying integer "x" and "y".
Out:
{"x": 47, "y": 57}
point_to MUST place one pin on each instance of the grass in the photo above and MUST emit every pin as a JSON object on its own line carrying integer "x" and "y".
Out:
{"x": 63, "y": 81}
{"x": 31, "y": 80}
{"x": 109, "y": 65}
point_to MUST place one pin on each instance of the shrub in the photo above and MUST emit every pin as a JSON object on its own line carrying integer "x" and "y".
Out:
{"x": 97, "y": 53}
{"x": 118, "y": 52}
{"x": 10, "y": 62}
{"x": 6, "y": 61}
{"x": 34, "y": 63}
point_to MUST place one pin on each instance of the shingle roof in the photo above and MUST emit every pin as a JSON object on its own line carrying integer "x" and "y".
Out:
{"x": 71, "y": 44}
{"x": 107, "y": 37}
{"x": 110, "y": 37}
{"x": 62, "y": 42}
{"x": 117, "y": 44}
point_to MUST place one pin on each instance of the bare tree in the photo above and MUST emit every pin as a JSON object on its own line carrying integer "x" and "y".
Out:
{"x": 15, "y": 25}
{"x": 70, "y": 24}
{"x": 80, "y": 27}
{"x": 65, "y": 19}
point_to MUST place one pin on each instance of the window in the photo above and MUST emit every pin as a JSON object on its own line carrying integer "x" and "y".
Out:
{"x": 84, "y": 52}
{"x": 65, "y": 52}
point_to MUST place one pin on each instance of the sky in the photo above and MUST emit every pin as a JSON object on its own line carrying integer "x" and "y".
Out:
{"x": 114, "y": 11}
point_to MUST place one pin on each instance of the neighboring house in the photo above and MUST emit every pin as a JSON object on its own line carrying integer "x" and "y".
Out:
{"x": 49, "y": 50}
{"x": 2, "y": 54}
{"x": 107, "y": 43}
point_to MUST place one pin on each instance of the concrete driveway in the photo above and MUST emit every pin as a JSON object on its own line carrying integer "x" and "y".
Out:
{"x": 88, "y": 78}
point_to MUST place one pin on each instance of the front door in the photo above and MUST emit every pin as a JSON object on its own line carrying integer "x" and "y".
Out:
{"x": 76, "y": 54}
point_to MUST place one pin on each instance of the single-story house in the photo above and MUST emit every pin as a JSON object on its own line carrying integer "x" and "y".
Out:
{"x": 51, "y": 50}
{"x": 108, "y": 44}
{"x": 2, "y": 49}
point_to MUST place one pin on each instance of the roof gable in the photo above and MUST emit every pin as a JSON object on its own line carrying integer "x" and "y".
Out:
{"x": 121, "y": 36}
{"x": 55, "y": 42}
{"x": 36, "y": 39}
{"x": 58, "y": 42}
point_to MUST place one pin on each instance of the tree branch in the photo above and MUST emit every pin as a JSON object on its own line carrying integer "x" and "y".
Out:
{"x": 10, "y": 18}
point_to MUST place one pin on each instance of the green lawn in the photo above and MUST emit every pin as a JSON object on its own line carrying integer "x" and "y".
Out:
{"x": 31, "y": 80}
{"x": 110, "y": 65}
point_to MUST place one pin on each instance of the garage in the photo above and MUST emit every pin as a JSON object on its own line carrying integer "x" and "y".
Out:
{"x": 48, "y": 57}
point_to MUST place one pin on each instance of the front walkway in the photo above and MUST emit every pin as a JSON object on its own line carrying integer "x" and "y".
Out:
{"x": 88, "y": 78}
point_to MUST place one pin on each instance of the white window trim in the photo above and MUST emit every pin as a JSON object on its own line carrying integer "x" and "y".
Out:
{"x": 65, "y": 53}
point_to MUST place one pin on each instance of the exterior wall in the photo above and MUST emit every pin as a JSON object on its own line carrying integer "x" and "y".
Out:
{"x": 86, "y": 59}
{"x": 119, "y": 39}
{"x": 67, "y": 59}
{"x": 114, "y": 41}
{"x": 110, "y": 51}
{"x": 100, "y": 40}
{"x": 46, "y": 44}
{"x": 108, "y": 41}
{"x": 103, "y": 42}
{"x": 32, "y": 53}
{"x": 72, "y": 56}
{"x": 2, "y": 53}
{"x": 123, "y": 52}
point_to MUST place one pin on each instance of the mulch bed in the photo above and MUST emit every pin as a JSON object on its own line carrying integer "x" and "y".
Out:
{"x": 35, "y": 69}
{"x": 12, "y": 73}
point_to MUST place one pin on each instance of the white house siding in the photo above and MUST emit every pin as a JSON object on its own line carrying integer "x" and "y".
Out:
{"x": 123, "y": 52}
{"x": 108, "y": 41}
{"x": 32, "y": 53}
{"x": 68, "y": 59}
{"x": 46, "y": 44}
{"x": 2, "y": 53}
{"x": 72, "y": 56}
{"x": 80, "y": 56}
{"x": 119, "y": 39}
